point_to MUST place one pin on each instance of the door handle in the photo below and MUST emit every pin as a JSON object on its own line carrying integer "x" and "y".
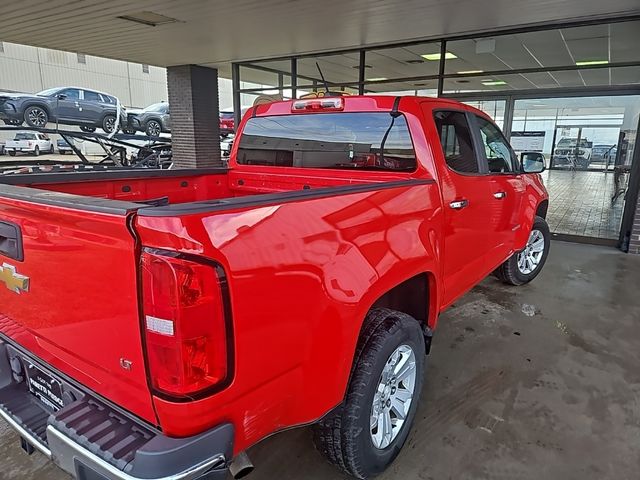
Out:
{"x": 459, "y": 204}
{"x": 77, "y": 104}
{"x": 500, "y": 195}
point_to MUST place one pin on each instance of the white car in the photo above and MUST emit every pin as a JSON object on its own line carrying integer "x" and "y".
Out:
{"x": 29, "y": 142}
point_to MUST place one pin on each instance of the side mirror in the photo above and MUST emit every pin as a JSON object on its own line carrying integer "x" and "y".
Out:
{"x": 532, "y": 162}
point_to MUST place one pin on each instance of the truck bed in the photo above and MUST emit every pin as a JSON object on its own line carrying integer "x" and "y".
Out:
{"x": 82, "y": 190}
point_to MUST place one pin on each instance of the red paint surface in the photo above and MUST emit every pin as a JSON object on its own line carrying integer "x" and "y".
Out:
{"x": 302, "y": 275}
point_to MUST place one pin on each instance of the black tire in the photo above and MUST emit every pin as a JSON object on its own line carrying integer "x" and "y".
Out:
{"x": 344, "y": 435}
{"x": 12, "y": 153}
{"x": 52, "y": 150}
{"x": 62, "y": 152}
{"x": 36, "y": 151}
{"x": 87, "y": 129}
{"x": 153, "y": 128}
{"x": 109, "y": 123}
{"x": 36, "y": 116}
{"x": 510, "y": 273}
{"x": 129, "y": 131}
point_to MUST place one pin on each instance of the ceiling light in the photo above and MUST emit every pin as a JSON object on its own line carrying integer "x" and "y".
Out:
{"x": 469, "y": 72}
{"x": 377, "y": 79}
{"x": 491, "y": 83}
{"x": 436, "y": 56}
{"x": 586, "y": 63}
{"x": 148, "y": 18}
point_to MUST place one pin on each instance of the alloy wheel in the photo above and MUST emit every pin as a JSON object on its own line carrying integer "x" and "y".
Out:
{"x": 37, "y": 117}
{"x": 153, "y": 129}
{"x": 393, "y": 396}
{"x": 529, "y": 258}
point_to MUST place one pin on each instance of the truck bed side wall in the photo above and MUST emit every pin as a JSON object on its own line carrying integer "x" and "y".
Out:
{"x": 302, "y": 277}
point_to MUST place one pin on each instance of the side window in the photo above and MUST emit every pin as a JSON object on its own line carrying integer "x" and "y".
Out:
{"x": 90, "y": 96}
{"x": 500, "y": 156}
{"x": 71, "y": 93}
{"x": 457, "y": 144}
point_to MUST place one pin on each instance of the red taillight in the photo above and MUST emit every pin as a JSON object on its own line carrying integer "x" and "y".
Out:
{"x": 184, "y": 324}
{"x": 324, "y": 104}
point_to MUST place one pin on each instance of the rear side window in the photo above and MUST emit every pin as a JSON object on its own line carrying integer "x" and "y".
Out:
{"x": 92, "y": 96}
{"x": 363, "y": 140}
{"x": 456, "y": 141}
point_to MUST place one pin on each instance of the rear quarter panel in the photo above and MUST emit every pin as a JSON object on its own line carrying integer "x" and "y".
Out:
{"x": 302, "y": 276}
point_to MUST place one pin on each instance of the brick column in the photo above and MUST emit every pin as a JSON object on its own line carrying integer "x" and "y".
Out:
{"x": 195, "y": 117}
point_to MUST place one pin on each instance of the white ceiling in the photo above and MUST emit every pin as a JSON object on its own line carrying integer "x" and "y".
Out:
{"x": 215, "y": 32}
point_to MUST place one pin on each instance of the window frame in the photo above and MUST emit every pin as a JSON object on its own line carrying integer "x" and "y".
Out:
{"x": 517, "y": 170}
{"x": 483, "y": 166}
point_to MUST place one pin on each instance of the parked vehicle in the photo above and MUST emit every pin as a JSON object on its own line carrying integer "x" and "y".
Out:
{"x": 153, "y": 120}
{"x": 33, "y": 143}
{"x": 87, "y": 109}
{"x": 63, "y": 146}
{"x": 569, "y": 153}
{"x": 603, "y": 153}
{"x": 227, "y": 123}
{"x": 226, "y": 144}
{"x": 192, "y": 313}
{"x": 2, "y": 151}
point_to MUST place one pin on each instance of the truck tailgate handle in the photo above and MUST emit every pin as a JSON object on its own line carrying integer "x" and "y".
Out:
{"x": 11, "y": 241}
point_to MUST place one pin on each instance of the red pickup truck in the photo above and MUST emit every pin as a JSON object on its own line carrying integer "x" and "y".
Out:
{"x": 156, "y": 324}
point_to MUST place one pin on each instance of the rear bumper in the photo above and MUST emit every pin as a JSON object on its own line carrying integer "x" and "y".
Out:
{"x": 92, "y": 440}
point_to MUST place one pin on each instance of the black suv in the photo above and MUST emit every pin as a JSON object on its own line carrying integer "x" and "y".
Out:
{"x": 87, "y": 109}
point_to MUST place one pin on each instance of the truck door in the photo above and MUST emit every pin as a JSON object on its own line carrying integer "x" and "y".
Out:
{"x": 467, "y": 202}
{"x": 507, "y": 190}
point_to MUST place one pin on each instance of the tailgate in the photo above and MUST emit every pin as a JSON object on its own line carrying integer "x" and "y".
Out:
{"x": 68, "y": 290}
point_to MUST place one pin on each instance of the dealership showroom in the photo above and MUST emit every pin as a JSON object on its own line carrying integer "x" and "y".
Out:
{"x": 197, "y": 108}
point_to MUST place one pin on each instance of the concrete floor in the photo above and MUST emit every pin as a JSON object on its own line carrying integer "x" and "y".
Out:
{"x": 541, "y": 381}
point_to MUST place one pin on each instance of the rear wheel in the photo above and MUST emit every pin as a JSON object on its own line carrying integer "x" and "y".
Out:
{"x": 526, "y": 264}
{"x": 109, "y": 123}
{"x": 12, "y": 153}
{"x": 364, "y": 435}
{"x": 36, "y": 151}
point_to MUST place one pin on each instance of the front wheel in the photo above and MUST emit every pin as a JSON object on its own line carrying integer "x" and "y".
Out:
{"x": 36, "y": 117}
{"x": 526, "y": 264}
{"x": 153, "y": 129}
{"x": 364, "y": 435}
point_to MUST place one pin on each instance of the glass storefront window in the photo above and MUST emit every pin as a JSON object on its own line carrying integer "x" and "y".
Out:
{"x": 605, "y": 43}
{"x": 588, "y": 143}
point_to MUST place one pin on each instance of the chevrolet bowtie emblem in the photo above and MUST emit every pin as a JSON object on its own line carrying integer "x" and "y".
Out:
{"x": 13, "y": 280}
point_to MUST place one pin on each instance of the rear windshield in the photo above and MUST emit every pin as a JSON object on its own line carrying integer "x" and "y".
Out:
{"x": 25, "y": 136}
{"x": 372, "y": 141}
